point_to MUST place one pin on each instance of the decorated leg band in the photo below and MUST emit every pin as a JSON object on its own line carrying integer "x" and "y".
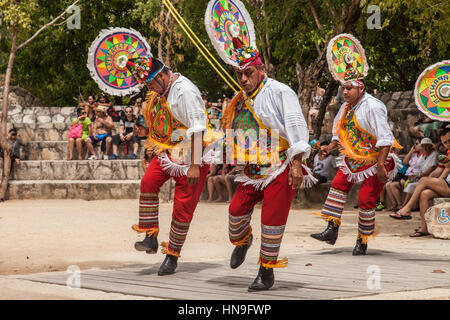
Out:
{"x": 239, "y": 229}
{"x": 177, "y": 236}
{"x": 334, "y": 206}
{"x": 366, "y": 225}
{"x": 271, "y": 237}
{"x": 148, "y": 211}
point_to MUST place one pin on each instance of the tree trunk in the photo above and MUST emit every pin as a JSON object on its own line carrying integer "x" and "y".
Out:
{"x": 330, "y": 91}
{"x": 6, "y": 147}
{"x": 163, "y": 32}
{"x": 309, "y": 78}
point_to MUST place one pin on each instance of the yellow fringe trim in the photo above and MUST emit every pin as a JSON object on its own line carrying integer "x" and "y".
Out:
{"x": 165, "y": 250}
{"x": 327, "y": 218}
{"x": 348, "y": 150}
{"x": 365, "y": 238}
{"x": 279, "y": 264}
{"x": 149, "y": 232}
{"x": 244, "y": 241}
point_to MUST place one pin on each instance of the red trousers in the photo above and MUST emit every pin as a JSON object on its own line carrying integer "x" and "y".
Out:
{"x": 186, "y": 197}
{"x": 276, "y": 201}
{"x": 369, "y": 192}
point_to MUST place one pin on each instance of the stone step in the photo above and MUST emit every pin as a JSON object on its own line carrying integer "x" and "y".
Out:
{"x": 78, "y": 170}
{"x": 58, "y": 150}
{"x": 80, "y": 189}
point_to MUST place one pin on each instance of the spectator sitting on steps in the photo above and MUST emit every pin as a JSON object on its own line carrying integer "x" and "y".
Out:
{"x": 436, "y": 185}
{"x": 80, "y": 129}
{"x": 101, "y": 132}
{"x": 127, "y": 123}
{"x": 324, "y": 164}
{"x": 15, "y": 141}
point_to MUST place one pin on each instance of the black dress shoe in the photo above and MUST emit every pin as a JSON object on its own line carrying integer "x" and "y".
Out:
{"x": 149, "y": 244}
{"x": 329, "y": 235}
{"x": 238, "y": 255}
{"x": 360, "y": 248}
{"x": 168, "y": 266}
{"x": 263, "y": 281}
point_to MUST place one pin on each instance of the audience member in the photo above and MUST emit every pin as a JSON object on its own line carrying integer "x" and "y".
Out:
{"x": 434, "y": 186}
{"x": 426, "y": 163}
{"x": 80, "y": 129}
{"x": 225, "y": 176}
{"x": 401, "y": 171}
{"x": 324, "y": 164}
{"x": 90, "y": 106}
{"x": 212, "y": 173}
{"x": 127, "y": 124}
{"x": 101, "y": 132}
{"x": 15, "y": 141}
{"x": 424, "y": 127}
{"x": 138, "y": 107}
{"x": 314, "y": 105}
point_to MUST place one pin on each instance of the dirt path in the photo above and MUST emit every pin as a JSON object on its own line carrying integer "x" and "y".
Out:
{"x": 51, "y": 235}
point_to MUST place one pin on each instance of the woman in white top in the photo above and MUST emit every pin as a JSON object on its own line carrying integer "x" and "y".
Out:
{"x": 394, "y": 188}
{"x": 429, "y": 188}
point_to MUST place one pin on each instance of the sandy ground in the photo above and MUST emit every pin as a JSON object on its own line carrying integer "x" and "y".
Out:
{"x": 51, "y": 235}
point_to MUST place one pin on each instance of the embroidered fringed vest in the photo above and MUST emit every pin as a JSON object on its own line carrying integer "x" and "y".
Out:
{"x": 358, "y": 146}
{"x": 162, "y": 124}
{"x": 253, "y": 141}
{"x": 165, "y": 131}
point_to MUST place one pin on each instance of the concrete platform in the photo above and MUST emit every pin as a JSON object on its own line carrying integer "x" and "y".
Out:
{"x": 325, "y": 274}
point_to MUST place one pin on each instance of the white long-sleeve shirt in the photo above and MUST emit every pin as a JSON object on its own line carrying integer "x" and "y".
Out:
{"x": 371, "y": 115}
{"x": 187, "y": 106}
{"x": 277, "y": 106}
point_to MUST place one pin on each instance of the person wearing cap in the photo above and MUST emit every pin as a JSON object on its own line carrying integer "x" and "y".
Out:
{"x": 428, "y": 162}
{"x": 101, "y": 132}
{"x": 175, "y": 116}
{"x": 362, "y": 133}
{"x": 266, "y": 110}
{"x": 437, "y": 184}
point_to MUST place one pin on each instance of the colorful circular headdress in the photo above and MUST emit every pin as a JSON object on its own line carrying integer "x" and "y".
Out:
{"x": 108, "y": 57}
{"x": 346, "y": 58}
{"x": 222, "y": 19}
{"x": 432, "y": 91}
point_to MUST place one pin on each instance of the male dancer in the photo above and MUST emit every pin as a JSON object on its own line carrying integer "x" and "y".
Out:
{"x": 361, "y": 131}
{"x": 264, "y": 105}
{"x": 175, "y": 113}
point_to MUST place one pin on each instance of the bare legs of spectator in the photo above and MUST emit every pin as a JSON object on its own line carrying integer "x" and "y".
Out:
{"x": 229, "y": 185}
{"x": 78, "y": 143}
{"x": 90, "y": 147}
{"x": 218, "y": 180}
{"x": 426, "y": 184}
{"x": 108, "y": 147}
{"x": 393, "y": 192}
{"x": 135, "y": 147}
{"x": 210, "y": 184}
